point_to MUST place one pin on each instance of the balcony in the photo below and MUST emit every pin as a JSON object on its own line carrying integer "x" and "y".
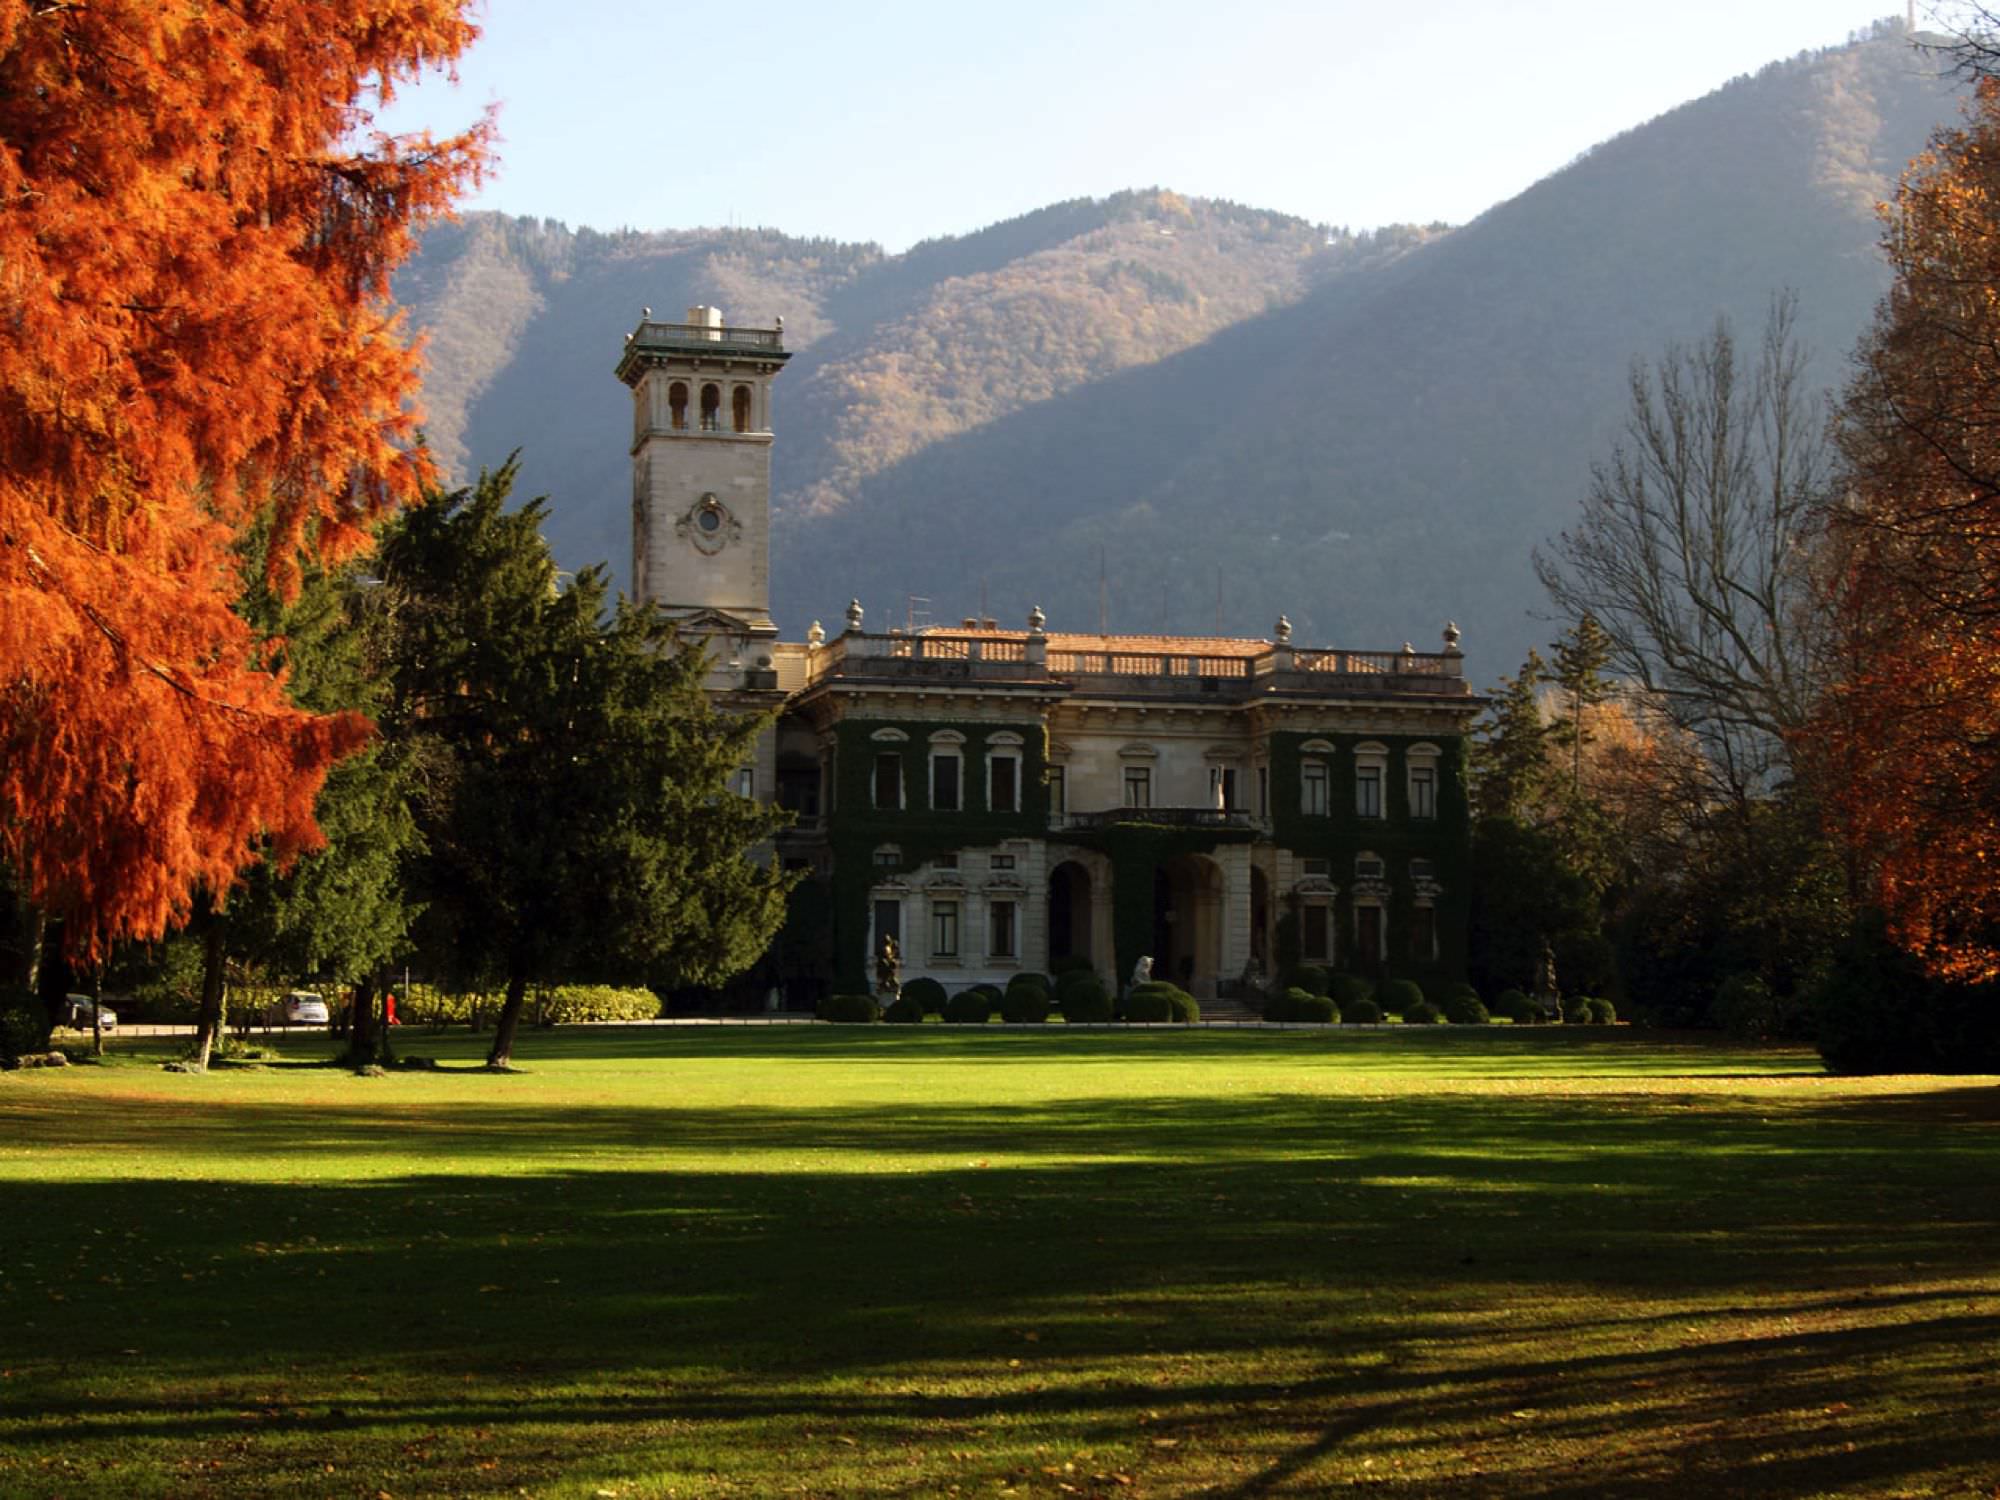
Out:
{"x": 1158, "y": 817}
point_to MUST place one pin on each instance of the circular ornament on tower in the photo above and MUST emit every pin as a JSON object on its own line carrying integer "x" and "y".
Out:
{"x": 709, "y": 526}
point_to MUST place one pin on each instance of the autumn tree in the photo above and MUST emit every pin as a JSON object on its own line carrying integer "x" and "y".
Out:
{"x": 1911, "y": 737}
{"x": 577, "y": 820}
{"x": 196, "y": 235}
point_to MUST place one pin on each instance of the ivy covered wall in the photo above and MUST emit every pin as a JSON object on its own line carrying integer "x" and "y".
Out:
{"x": 1342, "y": 833}
{"x": 857, "y": 828}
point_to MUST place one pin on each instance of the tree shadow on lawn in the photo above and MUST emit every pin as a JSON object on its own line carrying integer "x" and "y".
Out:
{"x": 1304, "y": 1283}
{"x": 1466, "y": 1051}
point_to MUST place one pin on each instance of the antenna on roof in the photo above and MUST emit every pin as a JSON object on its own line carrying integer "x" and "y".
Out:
{"x": 1103, "y": 595}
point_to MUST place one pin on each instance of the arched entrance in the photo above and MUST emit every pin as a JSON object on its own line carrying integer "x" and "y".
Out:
{"x": 1069, "y": 911}
{"x": 1187, "y": 922}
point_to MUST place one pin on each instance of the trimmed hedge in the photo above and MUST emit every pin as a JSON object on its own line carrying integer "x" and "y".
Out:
{"x": 1518, "y": 1008}
{"x": 849, "y": 1008}
{"x": 928, "y": 994}
{"x": 1319, "y": 1010}
{"x": 1348, "y": 988}
{"x": 1361, "y": 1012}
{"x": 1575, "y": 1010}
{"x": 1149, "y": 1003}
{"x": 1422, "y": 1013}
{"x": 1602, "y": 1012}
{"x": 905, "y": 1010}
{"x": 1398, "y": 996}
{"x": 1463, "y": 1007}
{"x": 1082, "y": 998}
{"x": 1025, "y": 1004}
{"x": 594, "y": 1002}
{"x": 1312, "y": 978}
{"x": 1283, "y": 1004}
{"x": 1030, "y": 977}
{"x": 973, "y": 1007}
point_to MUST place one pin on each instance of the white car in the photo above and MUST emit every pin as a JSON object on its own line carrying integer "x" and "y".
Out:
{"x": 299, "y": 1008}
{"x": 77, "y": 1012}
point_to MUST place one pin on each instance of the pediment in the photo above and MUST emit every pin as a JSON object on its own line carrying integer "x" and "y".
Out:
{"x": 711, "y": 622}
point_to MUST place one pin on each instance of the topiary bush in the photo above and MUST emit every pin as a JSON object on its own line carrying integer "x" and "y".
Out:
{"x": 1029, "y": 976}
{"x": 1082, "y": 998}
{"x": 849, "y": 1008}
{"x": 1149, "y": 1003}
{"x": 1025, "y": 1004}
{"x": 1575, "y": 1010}
{"x": 1361, "y": 1012}
{"x": 1602, "y": 1012}
{"x": 1420, "y": 1012}
{"x": 1348, "y": 988}
{"x": 1069, "y": 963}
{"x": 1283, "y": 1004}
{"x": 1463, "y": 1007}
{"x": 1398, "y": 996}
{"x": 905, "y": 1010}
{"x": 928, "y": 995}
{"x": 1311, "y": 978}
{"x": 973, "y": 1007}
{"x": 1185, "y": 1007}
{"x": 1318, "y": 1010}
{"x": 1517, "y": 1007}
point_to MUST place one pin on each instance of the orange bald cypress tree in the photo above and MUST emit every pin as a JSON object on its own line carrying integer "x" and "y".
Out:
{"x": 1907, "y": 745}
{"x": 196, "y": 235}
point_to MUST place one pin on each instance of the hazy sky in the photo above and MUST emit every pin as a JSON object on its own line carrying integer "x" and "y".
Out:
{"x": 901, "y": 121}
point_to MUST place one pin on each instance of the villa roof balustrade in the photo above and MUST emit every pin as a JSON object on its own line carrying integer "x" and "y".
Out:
{"x": 1094, "y": 665}
{"x": 652, "y": 335}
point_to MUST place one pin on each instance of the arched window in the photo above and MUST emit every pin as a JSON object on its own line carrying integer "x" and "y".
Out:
{"x": 711, "y": 408}
{"x": 740, "y": 407}
{"x": 677, "y": 405}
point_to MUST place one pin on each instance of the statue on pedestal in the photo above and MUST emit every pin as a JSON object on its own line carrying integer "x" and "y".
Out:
{"x": 888, "y": 969}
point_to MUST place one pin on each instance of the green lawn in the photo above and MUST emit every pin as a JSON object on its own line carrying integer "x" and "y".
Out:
{"x": 879, "y": 1261}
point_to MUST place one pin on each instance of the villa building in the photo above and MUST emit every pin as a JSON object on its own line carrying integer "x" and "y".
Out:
{"x": 998, "y": 799}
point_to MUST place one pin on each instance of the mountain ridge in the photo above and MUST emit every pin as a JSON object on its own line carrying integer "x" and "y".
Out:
{"x": 1368, "y": 432}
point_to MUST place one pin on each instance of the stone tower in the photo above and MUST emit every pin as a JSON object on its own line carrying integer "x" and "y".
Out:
{"x": 701, "y": 471}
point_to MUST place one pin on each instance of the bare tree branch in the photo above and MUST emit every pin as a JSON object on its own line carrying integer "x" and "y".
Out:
{"x": 1697, "y": 541}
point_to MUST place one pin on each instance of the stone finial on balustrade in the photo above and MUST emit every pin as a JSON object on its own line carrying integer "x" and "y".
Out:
{"x": 854, "y": 616}
{"x": 1281, "y": 645}
{"x": 815, "y": 636}
{"x": 1036, "y": 620}
{"x": 1037, "y": 651}
{"x": 1451, "y": 639}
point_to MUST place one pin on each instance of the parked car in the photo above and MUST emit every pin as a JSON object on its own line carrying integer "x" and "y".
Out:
{"x": 299, "y": 1008}
{"x": 77, "y": 1011}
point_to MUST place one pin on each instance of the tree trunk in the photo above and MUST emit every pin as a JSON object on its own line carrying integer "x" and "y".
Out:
{"x": 209, "y": 1023}
{"x": 502, "y": 1054}
{"x": 34, "y": 927}
{"x": 361, "y": 1024}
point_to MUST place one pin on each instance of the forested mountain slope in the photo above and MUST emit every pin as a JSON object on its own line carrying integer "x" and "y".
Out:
{"x": 1369, "y": 433}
